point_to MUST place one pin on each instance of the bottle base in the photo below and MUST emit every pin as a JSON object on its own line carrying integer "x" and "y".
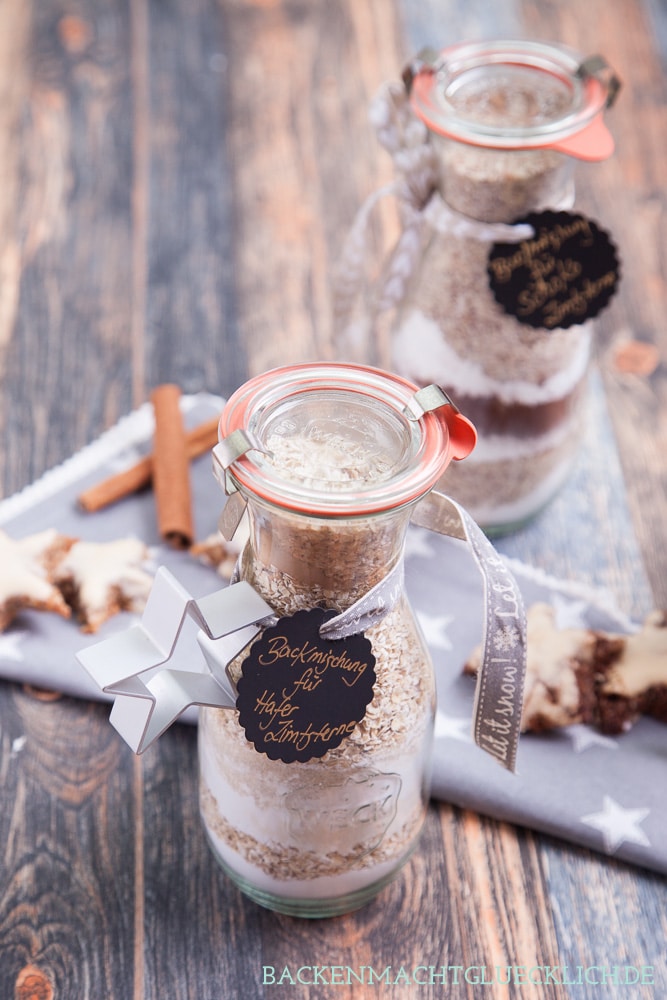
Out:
{"x": 309, "y": 907}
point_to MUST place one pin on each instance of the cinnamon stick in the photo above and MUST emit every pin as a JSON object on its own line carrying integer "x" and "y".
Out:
{"x": 171, "y": 471}
{"x": 122, "y": 484}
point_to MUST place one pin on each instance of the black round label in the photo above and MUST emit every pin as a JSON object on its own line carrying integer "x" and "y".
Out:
{"x": 563, "y": 275}
{"x": 300, "y": 695}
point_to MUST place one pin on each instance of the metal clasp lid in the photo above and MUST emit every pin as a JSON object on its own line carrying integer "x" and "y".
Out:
{"x": 225, "y": 453}
{"x": 434, "y": 79}
{"x": 429, "y": 60}
{"x": 597, "y": 68}
{"x": 426, "y": 61}
{"x": 462, "y": 434}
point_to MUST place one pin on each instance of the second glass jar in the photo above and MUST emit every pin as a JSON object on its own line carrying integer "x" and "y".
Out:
{"x": 507, "y": 120}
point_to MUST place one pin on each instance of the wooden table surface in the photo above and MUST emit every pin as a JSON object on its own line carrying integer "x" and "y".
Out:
{"x": 177, "y": 179}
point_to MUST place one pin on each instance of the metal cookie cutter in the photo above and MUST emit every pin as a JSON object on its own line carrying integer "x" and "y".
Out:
{"x": 132, "y": 665}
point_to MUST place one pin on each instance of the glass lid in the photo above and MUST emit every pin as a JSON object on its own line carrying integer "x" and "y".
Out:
{"x": 511, "y": 95}
{"x": 337, "y": 439}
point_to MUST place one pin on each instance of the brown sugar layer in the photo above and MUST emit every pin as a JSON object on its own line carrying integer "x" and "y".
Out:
{"x": 493, "y": 415}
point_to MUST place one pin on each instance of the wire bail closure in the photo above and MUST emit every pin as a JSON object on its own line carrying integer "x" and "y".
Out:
{"x": 597, "y": 68}
{"x": 226, "y": 452}
{"x": 433, "y": 79}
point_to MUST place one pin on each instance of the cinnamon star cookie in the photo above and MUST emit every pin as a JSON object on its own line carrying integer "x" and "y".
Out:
{"x": 26, "y": 567}
{"x": 589, "y": 676}
{"x": 635, "y": 682}
{"x": 99, "y": 579}
{"x": 220, "y": 554}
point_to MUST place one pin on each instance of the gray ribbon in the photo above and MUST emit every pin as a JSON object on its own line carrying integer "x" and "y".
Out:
{"x": 500, "y": 680}
{"x": 370, "y": 609}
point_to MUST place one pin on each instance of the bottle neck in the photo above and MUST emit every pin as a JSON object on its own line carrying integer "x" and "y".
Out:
{"x": 296, "y": 561}
{"x": 494, "y": 185}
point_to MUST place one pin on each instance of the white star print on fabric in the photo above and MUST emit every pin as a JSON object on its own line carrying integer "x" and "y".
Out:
{"x": 435, "y": 628}
{"x": 584, "y": 737}
{"x": 417, "y": 544}
{"x": 447, "y": 727}
{"x": 9, "y": 646}
{"x": 618, "y": 824}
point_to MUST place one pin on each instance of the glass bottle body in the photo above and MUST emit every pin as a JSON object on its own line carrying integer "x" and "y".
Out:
{"x": 505, "y": 122}
{"x": 322, "y": 836}
{"x": 523, "y": 388}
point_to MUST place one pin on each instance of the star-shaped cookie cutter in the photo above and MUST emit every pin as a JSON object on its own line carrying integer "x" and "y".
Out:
{"x": 150, "y": 696}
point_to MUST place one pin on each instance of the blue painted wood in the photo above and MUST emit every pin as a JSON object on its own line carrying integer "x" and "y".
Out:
{"x": 192, "y": 333}
{"x": 437, "y": 23}
{"x": 656, "y": 13}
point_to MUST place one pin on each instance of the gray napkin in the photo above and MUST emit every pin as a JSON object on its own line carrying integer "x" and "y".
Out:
{"x": 604, "y": 793}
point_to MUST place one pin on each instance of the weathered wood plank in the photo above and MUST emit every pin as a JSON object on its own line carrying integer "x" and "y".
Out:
{"x": 14, "y": 39}
{"x": 67, "y": 827}
{"x": 64, "y": 361}
{"x": 301, "y": 77}
{"x": 68, "y": 840}
{"x": 626, "y": 195}
{"x": 200, "y": 934}
{"x": 593, "y": 896}
{"x": 193, "y": 333}
{"x": 403, "y": 928}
